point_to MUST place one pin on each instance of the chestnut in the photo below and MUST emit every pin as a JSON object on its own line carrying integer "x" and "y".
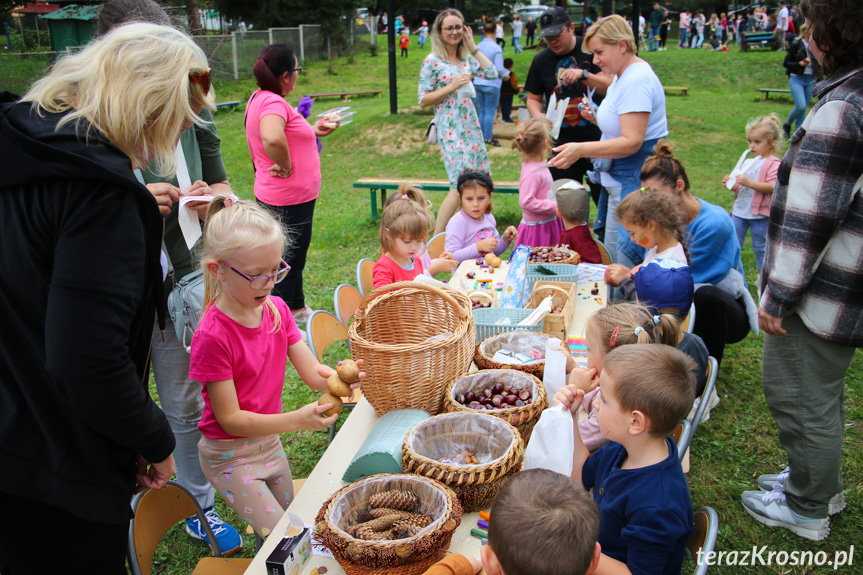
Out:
{"x": 485, "y": 400}
{"x": 487, "y": 392}
{"x": 460, "y": 398}
{"x": 470, "y": 396}
{"x": 519, "y": 403}
{"x": 496, "y": 400}
{"x": 497, "y": 388}
{"x": 524, "y": 395}
{"x": 511, "y": 399}
{"x": 474, "y": 405}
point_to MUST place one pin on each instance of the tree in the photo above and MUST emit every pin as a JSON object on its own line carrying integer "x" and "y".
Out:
{"x": 277, "y": 13}
{"x": 194, "y": 17}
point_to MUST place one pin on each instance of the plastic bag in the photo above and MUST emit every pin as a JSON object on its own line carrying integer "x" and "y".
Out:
{"x": 552, "y": 442}
{"x": 554, "y": 376}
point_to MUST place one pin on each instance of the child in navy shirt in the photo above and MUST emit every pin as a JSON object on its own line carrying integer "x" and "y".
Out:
{"x": 645, "y": 513}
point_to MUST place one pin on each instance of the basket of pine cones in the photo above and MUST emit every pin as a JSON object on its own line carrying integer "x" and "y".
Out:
{"x": 389, "y": 524}
{"x": 471, "y": 453}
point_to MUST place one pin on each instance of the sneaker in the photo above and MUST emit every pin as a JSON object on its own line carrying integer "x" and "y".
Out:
{"x": 776, "y": 482}
{"x": 712, "y": 402}
{"x": 227, "y": 538}
{"x": 494, "y": 143}
{"x": 770, "y": 508}
{"x": 786, "y": 131}
{"x": 303, "y": 315}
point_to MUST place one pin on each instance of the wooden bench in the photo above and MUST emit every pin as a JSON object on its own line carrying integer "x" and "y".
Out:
{"x": 387, "y": 184}
{"x": 233, "y": 104}
{"x": 683, "y": 89}
{"x": 344, "y": 95}
{"x": 765, "y": 92}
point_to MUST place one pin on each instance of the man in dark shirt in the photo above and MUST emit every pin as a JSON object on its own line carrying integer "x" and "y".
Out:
{"x": 564, "y": 70}
{"x": 530, "y": 28}
{"x": 656, "y": 19}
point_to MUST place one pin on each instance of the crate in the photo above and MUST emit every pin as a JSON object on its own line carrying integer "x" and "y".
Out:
{"x": 555, "y": 324}
{"x": 563, "y": 273}
{"x": 485, "y": 321}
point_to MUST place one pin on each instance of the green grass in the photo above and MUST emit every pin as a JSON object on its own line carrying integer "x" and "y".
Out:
{"x": 707, "y": 129}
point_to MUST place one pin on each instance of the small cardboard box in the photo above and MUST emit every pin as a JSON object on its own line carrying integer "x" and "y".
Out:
{"x": 556, "y": 324}
{"x": 290, "y": 554}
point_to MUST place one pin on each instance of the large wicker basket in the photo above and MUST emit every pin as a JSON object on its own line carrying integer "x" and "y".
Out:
{"x": 411, "y": 556}
{"x": 414, "y": 339}
{"x": 486, "y": 349}
{"x": 523, "y": 418}
{"x": 496, "y": 445}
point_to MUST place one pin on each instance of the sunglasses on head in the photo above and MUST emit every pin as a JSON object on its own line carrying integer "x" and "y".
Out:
{"x": 203, "y": 80}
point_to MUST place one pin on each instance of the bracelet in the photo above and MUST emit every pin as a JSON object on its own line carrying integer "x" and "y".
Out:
{"x": 474, "y": 51}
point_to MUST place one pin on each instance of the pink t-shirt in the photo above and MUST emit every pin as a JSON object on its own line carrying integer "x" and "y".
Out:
{"x": 386, "y": 271}
{"x": 304, "y": 183}
{"x": 255, "y": 358}
{"x": 535, "y": 194}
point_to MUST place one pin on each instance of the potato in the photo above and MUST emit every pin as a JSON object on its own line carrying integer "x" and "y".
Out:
{"x": 336, "y": 386}
{"x": 335, "y": 400}
{"x": 348, "y": 370}
{"x": 495, "y": 262}
{"x": 490, "y": 257}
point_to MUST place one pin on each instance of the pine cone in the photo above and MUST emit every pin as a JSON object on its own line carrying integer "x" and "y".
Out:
{"x": 371, "y": 535}
{"x": 404, "y": 500}
{"x": 407, "y": 531}
{"x": 384, "y": 511}
{"x": 381, "y": 523}
{"x": 411, "y": 526}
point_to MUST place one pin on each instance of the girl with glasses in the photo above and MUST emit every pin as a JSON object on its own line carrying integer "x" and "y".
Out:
{"x": 444, "y": 83}
{"x": 239, "y": 354}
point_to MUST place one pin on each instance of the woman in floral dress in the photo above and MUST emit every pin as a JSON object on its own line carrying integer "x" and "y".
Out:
{"x": 445, "y": 80}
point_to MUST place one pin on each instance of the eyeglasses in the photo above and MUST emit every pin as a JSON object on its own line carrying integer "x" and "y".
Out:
{"x": 203, "y": 80}
{"x": 298, "y": 69}
{"x": 453, "y": 29}
{"x": 259, "y": 282}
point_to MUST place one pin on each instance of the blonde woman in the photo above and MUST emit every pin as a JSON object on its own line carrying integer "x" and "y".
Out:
{"x": 444, "y": 79}
{"x": 81, "y": 242}
{"x": 632, "y": 120}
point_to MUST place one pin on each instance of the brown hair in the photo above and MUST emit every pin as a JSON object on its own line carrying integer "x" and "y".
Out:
{"x": 274, "y": 61}
{"x": 439, "y": 46}
{"x": 416, "y": 194}
{"x": 472, "y": 179}
{"x": 664, "y": 166}
{"x": 531, "y": 134}
{"x": 657, "y": 380}
{"x": 402, "y": 218}
{"x": 649, "y": 204}
{"x": 625, "y": 322}
{"x": 543, "y": 523}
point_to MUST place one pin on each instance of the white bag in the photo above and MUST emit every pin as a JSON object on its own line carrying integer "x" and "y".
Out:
{"x": 552, "y": 442}
{"x": 554, "y": 376}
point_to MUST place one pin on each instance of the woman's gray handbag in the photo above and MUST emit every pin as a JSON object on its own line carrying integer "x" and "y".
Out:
{"x": 186, "y": 304}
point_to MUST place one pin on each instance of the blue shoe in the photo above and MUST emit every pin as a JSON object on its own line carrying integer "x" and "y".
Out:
{"x": 227, "y": 537}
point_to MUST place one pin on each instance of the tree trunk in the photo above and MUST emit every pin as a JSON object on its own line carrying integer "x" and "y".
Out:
{"x": 194, "y": 18}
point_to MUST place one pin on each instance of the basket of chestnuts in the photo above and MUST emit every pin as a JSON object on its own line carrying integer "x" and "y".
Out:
{"x": 527, "y": 349}
{"x": 470, "y": 452}
{"x": 389, "y": 524}
{"x": 415, "y": 339}
{"x": 511, "y": 395}
{"x": 553, "y": 255}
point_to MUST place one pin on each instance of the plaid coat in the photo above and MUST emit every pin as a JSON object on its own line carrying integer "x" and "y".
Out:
{"x": 814, "y": 261}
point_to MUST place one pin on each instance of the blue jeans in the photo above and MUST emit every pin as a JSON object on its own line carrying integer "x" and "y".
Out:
{"x": 684, "y": 32}
{"x": 486, "y": 107}
{"x": 515, "y": 43}
{"x": 422, "y": 41}
{"x": 652, "y": 41}
{"x": 801, "y": 90}
{"x": 698, "y": 40}
{"x": 759, "y": 236}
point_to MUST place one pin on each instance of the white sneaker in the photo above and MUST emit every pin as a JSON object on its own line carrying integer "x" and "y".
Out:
{"x": 770, "y": 508}
{"x": 776, "y": 482}
{"x": 711, "y": 403}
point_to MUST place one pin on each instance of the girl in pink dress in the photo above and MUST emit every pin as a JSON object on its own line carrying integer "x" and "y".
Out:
{"x": 540, "y": 224}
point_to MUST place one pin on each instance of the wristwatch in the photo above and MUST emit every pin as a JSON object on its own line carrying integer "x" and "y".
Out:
{"x": 474, "y": 51}
{"x": 585, "y": 74}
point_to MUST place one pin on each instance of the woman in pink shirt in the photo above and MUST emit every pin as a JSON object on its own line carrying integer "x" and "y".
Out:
{"x": 284, "y": 152}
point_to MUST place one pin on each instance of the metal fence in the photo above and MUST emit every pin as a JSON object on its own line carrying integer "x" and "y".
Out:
{"x": 231, "y": 56}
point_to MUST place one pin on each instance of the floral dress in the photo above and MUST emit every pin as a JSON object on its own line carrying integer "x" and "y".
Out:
{"x": 458, "y": 132}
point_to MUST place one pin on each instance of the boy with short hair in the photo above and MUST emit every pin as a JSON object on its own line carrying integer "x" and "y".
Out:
{"x": 404, "y": 41}
{"x": 573, "y": 207}
{"x": 542, "y": 523}
{"x": 639, "y": 487}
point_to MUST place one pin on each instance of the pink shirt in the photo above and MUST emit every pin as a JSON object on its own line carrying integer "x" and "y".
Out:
{"x": 386, "y": 271}
{"x": 304, "y": 183}
{"x": 534, "y": 188}
{"x": 255, "y": 358}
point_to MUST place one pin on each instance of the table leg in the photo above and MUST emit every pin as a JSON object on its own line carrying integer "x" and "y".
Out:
{"x": 374, "y": 203}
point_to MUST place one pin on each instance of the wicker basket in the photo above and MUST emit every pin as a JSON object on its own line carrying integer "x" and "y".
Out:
{"x": 486, "y": 349}
{"x": 495, "y": 443}
{"x": 484, "y": 296}
{"x": 485, "y": 320}
{"x": 411, "y": 556}
{"x": 563, "y": 294}
{"x": 523, "y": 418}
{"x": 573, "y": 259}
{"x": 391, "y": 331}
{"x": 562, "y": 273}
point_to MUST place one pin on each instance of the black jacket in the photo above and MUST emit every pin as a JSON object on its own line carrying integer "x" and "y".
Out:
{"x": 80, "y": 285}
{"x": 795, "y": 54}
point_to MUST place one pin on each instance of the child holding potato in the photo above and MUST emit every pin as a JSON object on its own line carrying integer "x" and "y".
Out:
{"x": 239, "y": 354}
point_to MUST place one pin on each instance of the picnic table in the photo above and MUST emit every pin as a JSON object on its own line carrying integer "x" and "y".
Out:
{"x": 326, "y": 477}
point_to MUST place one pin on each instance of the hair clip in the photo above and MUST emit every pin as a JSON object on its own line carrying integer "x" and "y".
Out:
{"x": 656, "y": 320}
{"x": 520, "y": 137}
{"x": 404, "y": 197}
{"x": 638, "y": 330}
{"x": 614, "y": 334}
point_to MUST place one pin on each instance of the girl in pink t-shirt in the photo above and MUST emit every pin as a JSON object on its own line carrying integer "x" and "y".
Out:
{"x": 239, "y": 354}
{"x": 540, "y": 225}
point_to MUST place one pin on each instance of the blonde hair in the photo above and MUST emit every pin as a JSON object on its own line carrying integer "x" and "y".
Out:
{"x": 402, "y": 218}
{"x": 769, "y": 125}
{"x": 649, "y": 204}
{"x": 230, "y": 228}
{"x": 416, "y": 194}
{"x": 610, "y": 30}
{"x": 132, "y": 84}
{"x": 657, "y": 380}
{"x": 531, "y": 134}
{"x": 439, "y": 46}
{"x": 625, "y": 323}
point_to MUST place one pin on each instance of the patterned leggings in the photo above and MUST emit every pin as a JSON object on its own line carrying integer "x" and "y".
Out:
{"x": 252, "y": 475}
